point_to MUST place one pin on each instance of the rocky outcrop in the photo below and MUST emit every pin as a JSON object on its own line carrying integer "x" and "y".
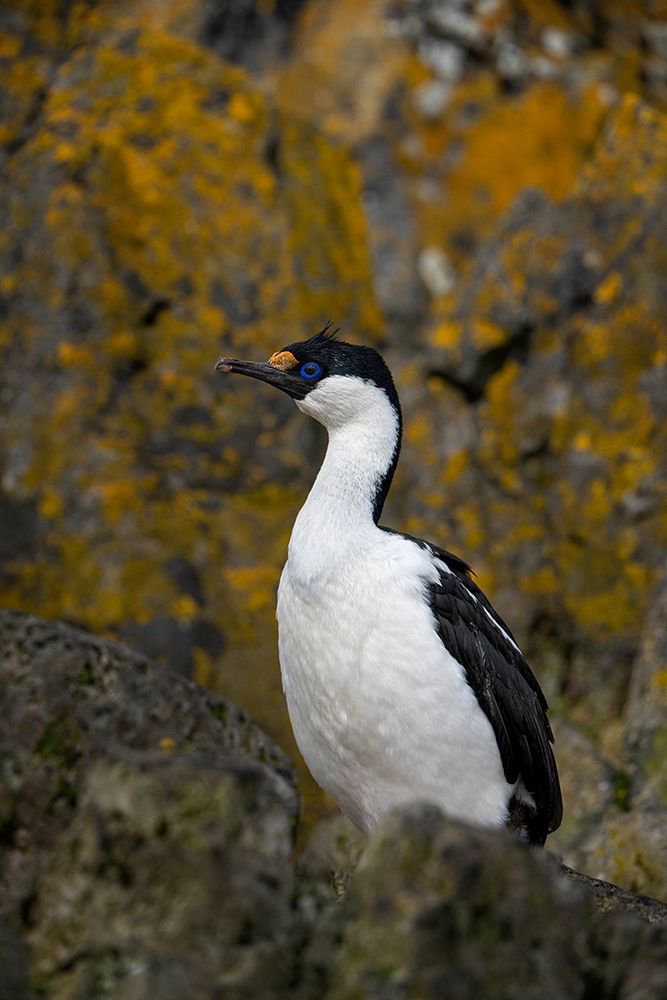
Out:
{"x": 147, "y": 827}
{"x": 646, "y": 734}
{"x": 439, "y": 910}
{"x": 14, "y": 973}
{"x": 147, "y": 849}
{"x": 174, "y": 879}
{"x": 627, "y": 841}
{"x": 608, "y": 896}
{"x": 68, "y": 702}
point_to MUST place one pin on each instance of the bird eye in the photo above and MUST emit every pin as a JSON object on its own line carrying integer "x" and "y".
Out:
{"x": 310, "y": 370}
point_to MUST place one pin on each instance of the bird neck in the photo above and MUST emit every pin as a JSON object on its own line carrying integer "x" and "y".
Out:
{"x": 348, "y": 494}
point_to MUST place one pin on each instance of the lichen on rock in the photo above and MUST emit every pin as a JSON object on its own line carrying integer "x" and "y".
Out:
{"x": 175, "y": 875}
{"x": 158, "y": 210}
{"x": 70, "y": 700}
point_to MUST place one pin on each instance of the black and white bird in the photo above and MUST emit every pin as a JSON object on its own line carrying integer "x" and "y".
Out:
{"x": 402, "y": 682}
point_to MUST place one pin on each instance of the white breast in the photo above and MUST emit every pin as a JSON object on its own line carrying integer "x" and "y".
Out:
{"x": 381, "y": 712}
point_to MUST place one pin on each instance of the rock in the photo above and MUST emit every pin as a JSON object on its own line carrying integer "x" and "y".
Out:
{"x": 629, "y": 849}
{"x": 173, "y": 880}
{"x": 608, "y": 896}
{"x": 646, "y": 720}
{"x": 391, "y": 238}
{"x": 588, "y": 784}
{"x": 332, "y": 851}
{"x": 174, "y": 643}
{"x": 69, "y": 700}
{"x": 430, "y": 99}
{"x": 628, "y": 843}
{"x": 249, "y": 32}
{"x": 437, "y": 909}
{"x": 13, "y": 965}
{"x": 436, "y": 271}
{"x": 608, "y": 831}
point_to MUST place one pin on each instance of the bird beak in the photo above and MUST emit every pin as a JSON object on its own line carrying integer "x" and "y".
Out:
{"x": 291, "y": 384}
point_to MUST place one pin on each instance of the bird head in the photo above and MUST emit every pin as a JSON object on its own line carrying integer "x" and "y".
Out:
{"x": 330, "y": 380}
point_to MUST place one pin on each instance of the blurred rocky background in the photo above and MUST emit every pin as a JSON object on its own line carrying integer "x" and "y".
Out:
{"x": 477, "y": 187}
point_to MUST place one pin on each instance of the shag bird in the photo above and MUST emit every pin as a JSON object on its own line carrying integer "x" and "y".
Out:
{"x": 402, "y": 682}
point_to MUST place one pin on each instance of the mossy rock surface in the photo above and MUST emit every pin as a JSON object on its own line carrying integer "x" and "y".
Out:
{"x": 175, "y": 876}
{"x": 435, "y": 909}
{"x": 69, "y": 700}
{"x": 646, "y": 733}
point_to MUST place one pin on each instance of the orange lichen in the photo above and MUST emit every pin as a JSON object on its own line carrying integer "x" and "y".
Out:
{"x": 608, "y": 290}
{"x": 447, "y": 335}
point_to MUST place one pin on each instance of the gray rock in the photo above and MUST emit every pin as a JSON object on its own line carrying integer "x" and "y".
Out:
{"x": 628, "y": 849}
{"x": 655, "y": 34}
{"x": 173, "y": 880}
{"x": 431, "y": 98}
{"x": 437, "y": 909}
{"x": 446, "y": 59}
{"x": 248, "y": 32}
{"x": 452, "y": 20}
{"x": 13, "y": 965}
{"x": 391, "y": 236}
{"x": 588, "y": 784}
{"x": 557, "y": 43}
{"x": 436, "y": 271}
{"x": 67, "y": 700}
{"x": 646, "y": 733}
{"x": 628, "y": 843}
{"x": 609, "y": 897}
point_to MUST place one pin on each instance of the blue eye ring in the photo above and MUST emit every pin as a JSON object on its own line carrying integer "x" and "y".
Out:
{"x": 310, "y": 370}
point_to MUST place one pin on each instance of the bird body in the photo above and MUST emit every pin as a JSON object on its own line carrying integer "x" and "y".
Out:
{"x": 381, "y": 711}
{"x": 402, "y": 683}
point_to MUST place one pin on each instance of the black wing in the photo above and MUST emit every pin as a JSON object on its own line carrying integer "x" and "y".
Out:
{"x": 504, "y": 685}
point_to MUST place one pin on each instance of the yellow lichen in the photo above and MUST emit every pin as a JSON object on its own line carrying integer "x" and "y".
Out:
{"x": 608, "y": 290}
